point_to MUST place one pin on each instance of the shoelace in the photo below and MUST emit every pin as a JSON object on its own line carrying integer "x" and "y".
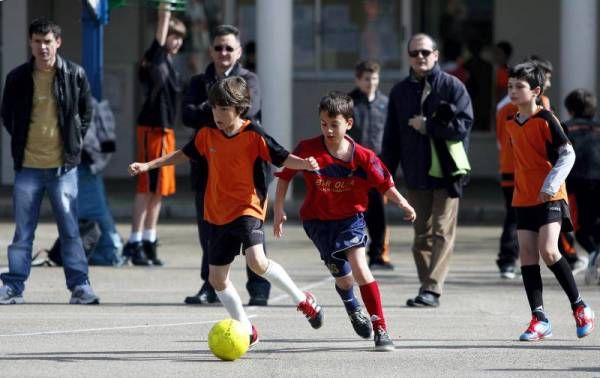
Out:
{"x": 532, "y": 324}
{"x": 307, "y": 308}
{"x": 580, "y": 319}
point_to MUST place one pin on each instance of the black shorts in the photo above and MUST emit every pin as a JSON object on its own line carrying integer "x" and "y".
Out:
{"x": 532, "y": 218}
{"x": 224, "y": 241}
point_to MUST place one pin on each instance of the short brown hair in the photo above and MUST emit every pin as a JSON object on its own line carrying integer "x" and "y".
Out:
{"x": 581, "y": 103}
{"x": 230, "y": 91}
{"x": 177, "y": 27}
{"x": 335, "y": 103}
{"x": 370, "y": 66}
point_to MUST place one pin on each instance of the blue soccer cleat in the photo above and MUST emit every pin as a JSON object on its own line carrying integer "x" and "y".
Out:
{"x": 537, "y": 330}
{"x": 584, "y": 319}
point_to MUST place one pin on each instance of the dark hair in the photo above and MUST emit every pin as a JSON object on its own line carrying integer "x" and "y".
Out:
{"x": 422, "y": 36}
{"x": 370, "y": 66}
{"x": 506, "y": 48}
{"x": 177, "y": 27}
{"x": 530, "y": 72}
{"x": 544, "y": 64}
{"x": 44, "y": 26}
{"x": 222, "y": 30}
{"x": 335, "y": 103}
{"x": 581, "y": 104}
{"x": 230, "y": 91}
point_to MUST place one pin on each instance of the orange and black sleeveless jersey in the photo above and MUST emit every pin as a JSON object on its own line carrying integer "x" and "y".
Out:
{"x": 238, "y": 173}
{"x": 505, "y": 153}
{"x": 535, "y": 144}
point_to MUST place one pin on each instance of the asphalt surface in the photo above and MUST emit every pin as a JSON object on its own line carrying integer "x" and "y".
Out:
{"x": 142, "y": 327}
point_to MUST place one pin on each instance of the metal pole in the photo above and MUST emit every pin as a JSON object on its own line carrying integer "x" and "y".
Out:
{"x": 94, "y": 16}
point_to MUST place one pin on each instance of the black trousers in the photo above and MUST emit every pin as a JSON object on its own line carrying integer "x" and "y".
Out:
{"x": 587, "y": 197}
{"x": 376, "y": 225}
{"x": 256, "y": 285}
{"x": 509, "y": 245}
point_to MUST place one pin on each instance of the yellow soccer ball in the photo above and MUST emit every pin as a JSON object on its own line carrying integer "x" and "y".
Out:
{"x": 228, "y": 339}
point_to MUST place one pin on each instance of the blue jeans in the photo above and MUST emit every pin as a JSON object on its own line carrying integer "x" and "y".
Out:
{"x": 92, "y": 205}
{"x": 28, "y": 191}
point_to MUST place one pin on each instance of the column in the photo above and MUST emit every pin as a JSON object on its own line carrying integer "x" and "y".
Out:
{"x": 578, "y": 48}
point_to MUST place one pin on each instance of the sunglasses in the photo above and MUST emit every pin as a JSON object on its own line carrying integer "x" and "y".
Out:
{"x": 415, "y": 53}
{"x": 220, "y": 48}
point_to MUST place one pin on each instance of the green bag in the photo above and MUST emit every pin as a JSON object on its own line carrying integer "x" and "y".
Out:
{"x": 459, "y": 155}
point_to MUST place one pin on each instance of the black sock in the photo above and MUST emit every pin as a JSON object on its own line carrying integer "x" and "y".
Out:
{"x": 564, "y": 275}
{"x": 532, "y": 280}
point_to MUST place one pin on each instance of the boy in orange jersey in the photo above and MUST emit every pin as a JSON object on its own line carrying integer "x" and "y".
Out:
{"x": 509, "y": 247}
{"x": 543, "y": 158}
{"x": 332, "y": 212}
{"x": 236, "y": 196}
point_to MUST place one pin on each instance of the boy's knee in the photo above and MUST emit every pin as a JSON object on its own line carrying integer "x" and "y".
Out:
{"x": 258, "y": 266}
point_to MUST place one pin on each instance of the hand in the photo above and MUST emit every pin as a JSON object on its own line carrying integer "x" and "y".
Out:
{"x": 136, "y": 168}
{"x": 544, "y": 197}
{"x": 409, "y": 213}
{"x": 418, "y": 123}
{"x": 312, "y": 164}
{"x": 278, "y": 218}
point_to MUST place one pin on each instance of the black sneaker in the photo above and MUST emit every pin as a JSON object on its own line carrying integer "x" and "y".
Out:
{"x": 134, "y": 251}
{"x": 258, "y": 300}
{"x": 383, "y": 342}
{"x": 206, "y": 295}
{"x": 150, "y": 251}
{"x": 380, "y": 265}
{"x": 508, "y": 271}
{"x": 312, "y": 310}
{"x": 361, "y": 323}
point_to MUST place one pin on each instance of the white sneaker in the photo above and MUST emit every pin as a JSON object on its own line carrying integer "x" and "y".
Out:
{"x": 591, "y": 273}
{"x": 580, "y": 265}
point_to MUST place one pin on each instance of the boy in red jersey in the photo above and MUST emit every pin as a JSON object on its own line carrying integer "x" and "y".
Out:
{"x": 543, "y": 158}
{"x": 332, "y": 212}
{"x": 235, "y": 201}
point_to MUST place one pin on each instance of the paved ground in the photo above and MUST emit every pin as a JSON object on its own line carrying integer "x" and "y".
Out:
{"x": 143, "y": 329}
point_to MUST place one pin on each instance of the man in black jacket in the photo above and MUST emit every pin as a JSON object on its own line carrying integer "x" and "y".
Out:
{"x": 196, "y": 113}
{"x": 427, "y": 111}
{"x": 46, "y": 109}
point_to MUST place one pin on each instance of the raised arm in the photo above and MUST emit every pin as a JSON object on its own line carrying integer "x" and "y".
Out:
{"x": 162, "y": 27}
{"x": 173, "y": 158}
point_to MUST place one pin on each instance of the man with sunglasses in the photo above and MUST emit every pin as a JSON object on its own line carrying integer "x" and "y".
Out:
{"x": 428, "y": 111}
{"x": 225, "y": 54}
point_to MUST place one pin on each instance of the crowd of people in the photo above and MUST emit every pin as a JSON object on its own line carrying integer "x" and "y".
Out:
{"x": 423, "y": 126}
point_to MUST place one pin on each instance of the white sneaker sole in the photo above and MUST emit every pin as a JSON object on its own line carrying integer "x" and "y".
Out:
{"x": 11, "y": 301}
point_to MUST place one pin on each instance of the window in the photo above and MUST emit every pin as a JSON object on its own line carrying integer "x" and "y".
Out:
{"x": 333, "y": 35}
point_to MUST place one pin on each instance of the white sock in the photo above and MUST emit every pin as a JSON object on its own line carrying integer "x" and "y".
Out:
{"x": 233, "y": 304}
{"x": 149, "y": 235}
{"x": 135, "y": 237}
{"x": 279, "y": 277}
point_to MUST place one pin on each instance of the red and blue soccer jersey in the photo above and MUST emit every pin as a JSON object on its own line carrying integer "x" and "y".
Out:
{"x": 339, "y": 189}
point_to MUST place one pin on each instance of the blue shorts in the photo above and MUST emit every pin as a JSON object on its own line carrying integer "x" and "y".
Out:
{"x": 333, "y": 238}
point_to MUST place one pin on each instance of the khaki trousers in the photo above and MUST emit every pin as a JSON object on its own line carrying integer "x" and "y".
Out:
{"x": 435, "y": 231}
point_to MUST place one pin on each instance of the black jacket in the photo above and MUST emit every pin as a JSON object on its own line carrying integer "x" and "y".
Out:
{"x": 196, "y": 112}
{"x": 73, "y": 99}
{"x": 405, "y": 146}
{"x": 369, "y": 119}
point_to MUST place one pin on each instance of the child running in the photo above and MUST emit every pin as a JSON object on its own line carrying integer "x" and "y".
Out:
{"x": 332, "y": 212}
{"x": 236, "y": 196}
{"x": 543, "y": 158}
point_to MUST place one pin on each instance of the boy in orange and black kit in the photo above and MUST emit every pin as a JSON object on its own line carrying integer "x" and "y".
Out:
{"x": 332, "y": 212}
{"x": 235, "y": 201}
{"x": 543, "y": 158}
